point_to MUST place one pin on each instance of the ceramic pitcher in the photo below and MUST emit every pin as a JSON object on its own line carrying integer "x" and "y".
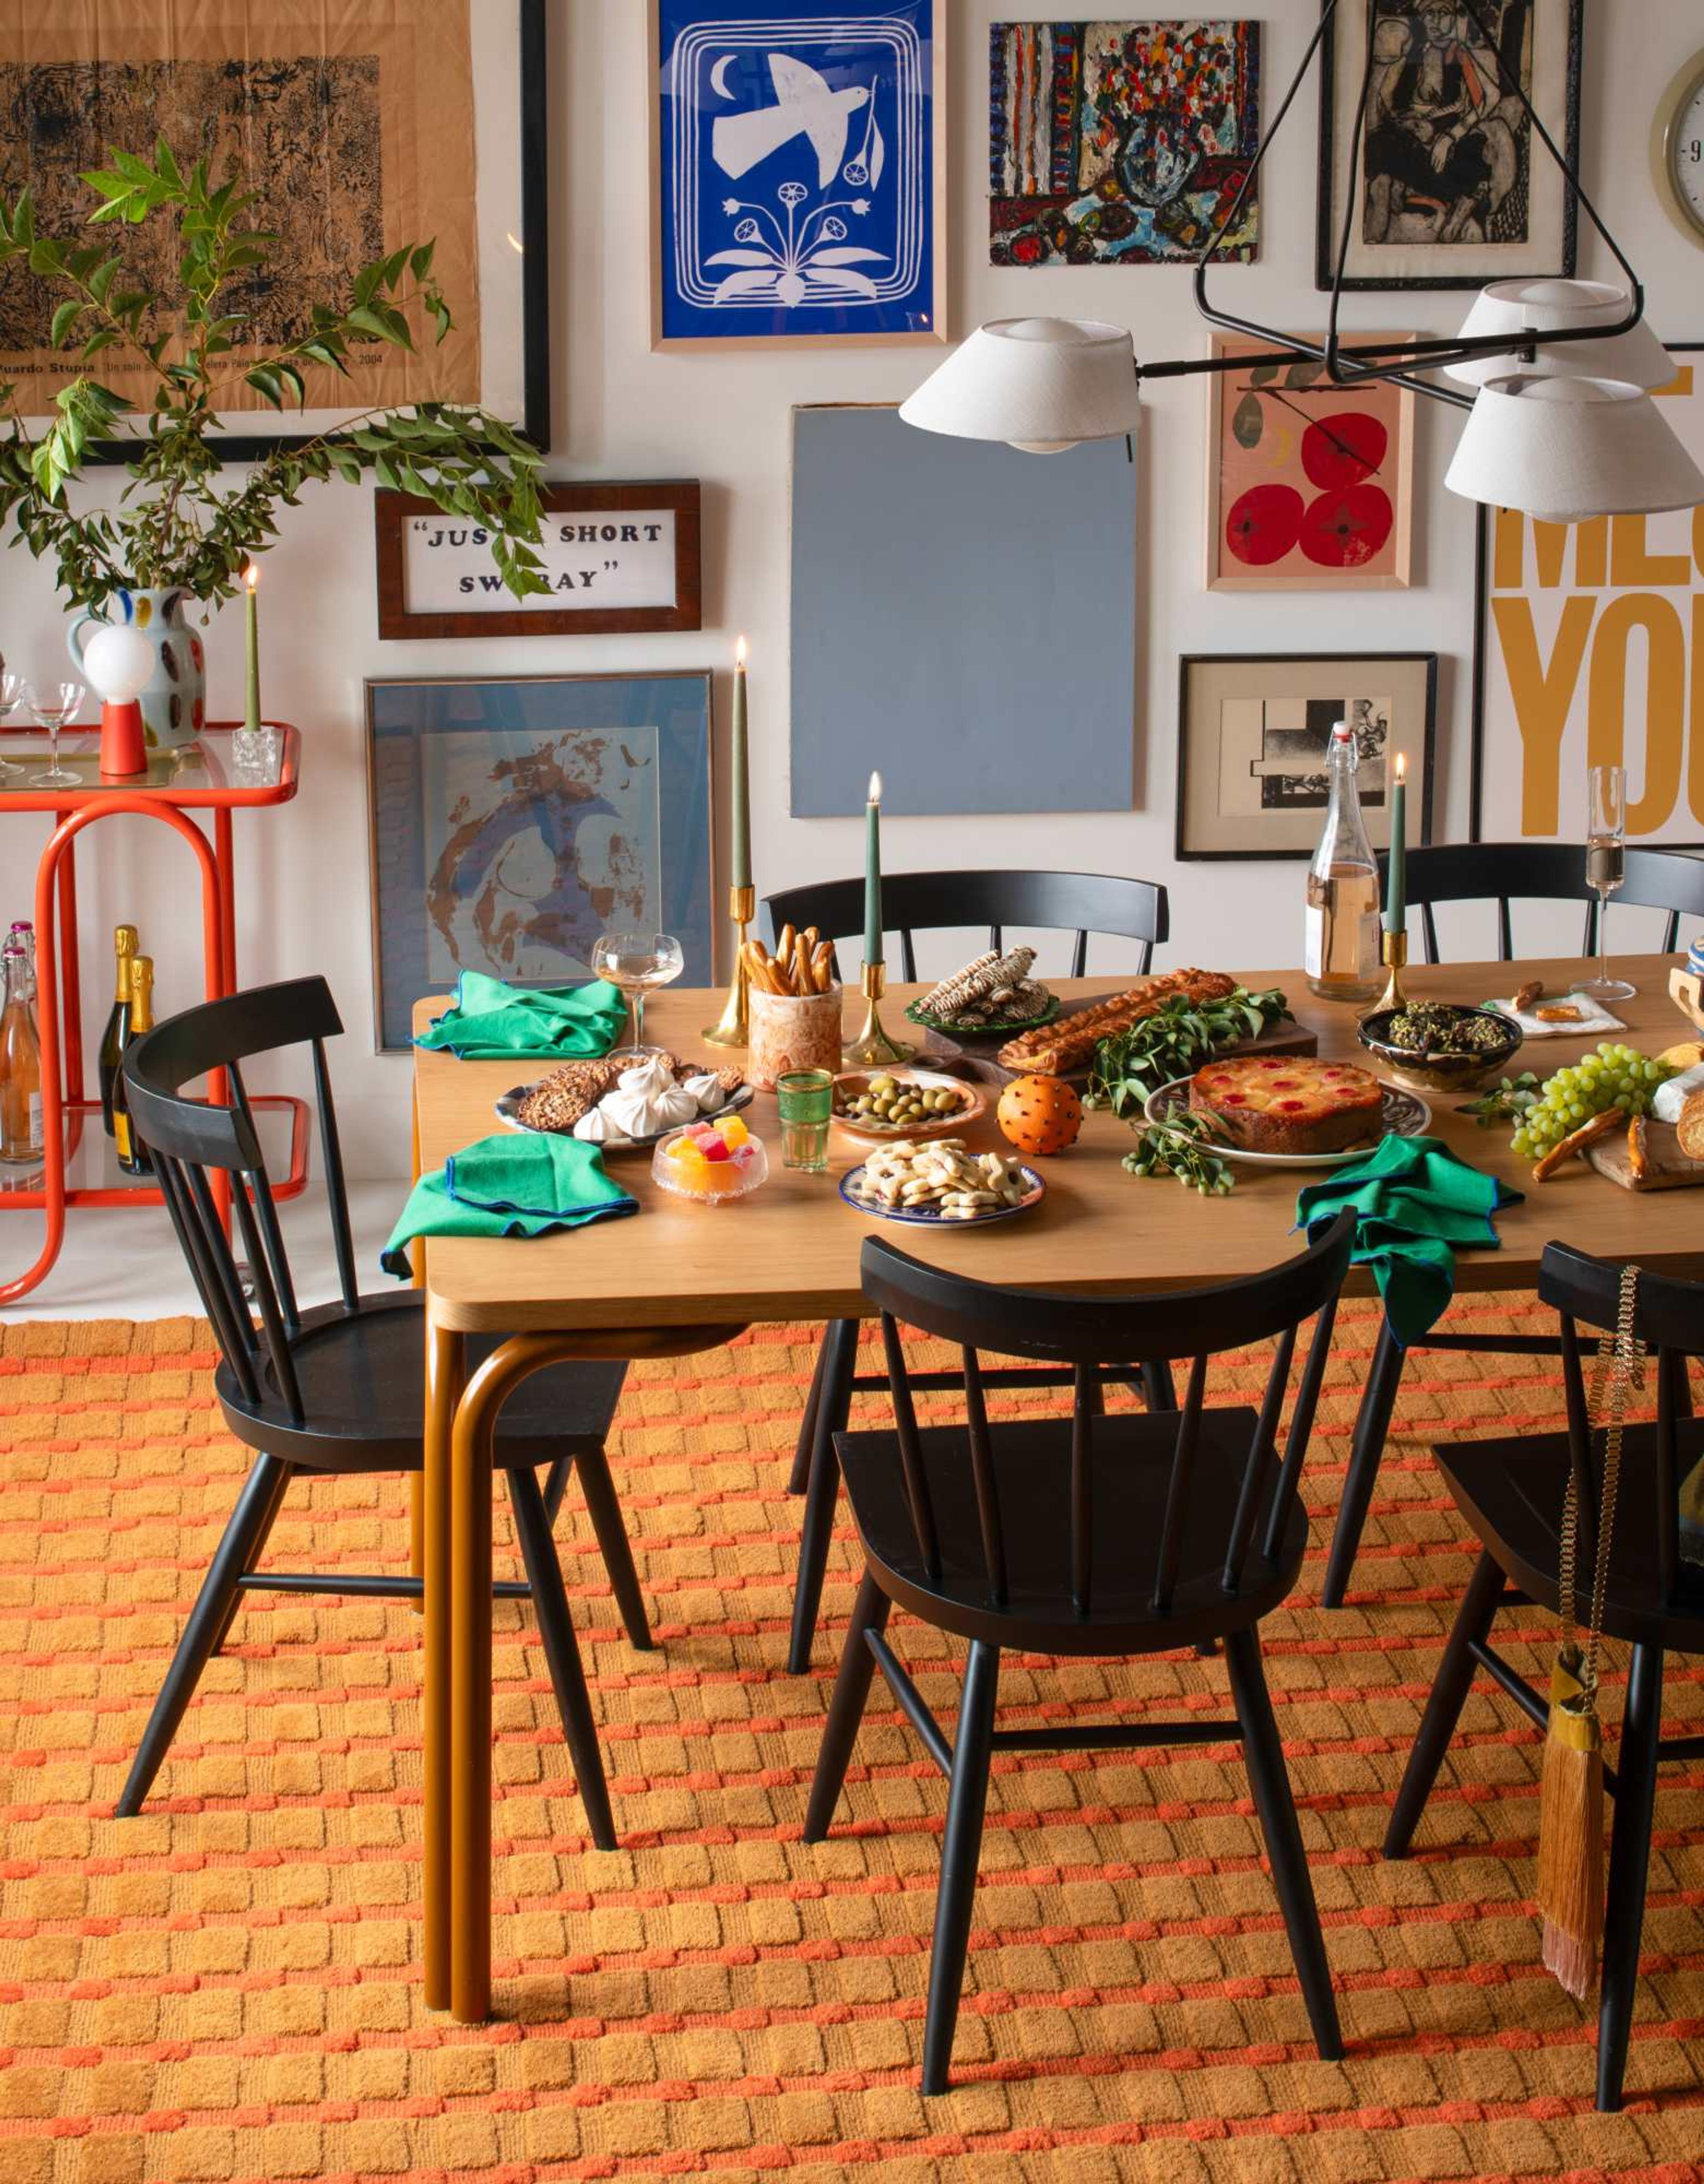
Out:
{"x": 174, "y": 700}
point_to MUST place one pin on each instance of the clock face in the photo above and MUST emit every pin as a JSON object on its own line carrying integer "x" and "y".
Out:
{"x": 1685, "y": 160}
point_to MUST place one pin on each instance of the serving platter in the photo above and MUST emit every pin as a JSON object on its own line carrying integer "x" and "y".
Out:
{"x": 1404, "y": 1114}
{"x": 931, "y": 1216}
{"x": 977, "y": 1054}
{"x": 508, "y": 1113}
{"x": 965, "y": 1028}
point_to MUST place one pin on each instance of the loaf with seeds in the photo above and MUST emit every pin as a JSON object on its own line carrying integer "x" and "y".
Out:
{"x": 1069, "y": 1043}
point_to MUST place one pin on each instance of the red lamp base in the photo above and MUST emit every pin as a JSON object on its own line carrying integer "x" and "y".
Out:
{"x": 123, "y": 752}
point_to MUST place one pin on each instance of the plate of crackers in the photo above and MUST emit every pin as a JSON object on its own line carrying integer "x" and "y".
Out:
{"x": 557, "y": 1103}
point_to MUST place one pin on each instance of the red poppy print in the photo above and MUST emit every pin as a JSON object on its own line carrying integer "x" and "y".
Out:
{"x": 1344, "y": 530}
{"x": 1344, "y": 449}
{"x": 1263, "y": 524}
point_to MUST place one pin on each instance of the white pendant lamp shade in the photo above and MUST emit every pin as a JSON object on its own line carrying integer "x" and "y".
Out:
{"x": 1515, "y": 308}
{"x": 1041, "y": 384}
{"x": 1563, "y": 449}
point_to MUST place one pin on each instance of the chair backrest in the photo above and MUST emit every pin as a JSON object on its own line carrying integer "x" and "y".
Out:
{"x": 922, "y": 902}
{"x": 1670, "y": 1320}
{"x": 1500, "y": 873}
{"x": 1665, "y": 879}
{"x": 1088, "y": 1333}
{"x": 188, "y": 1138}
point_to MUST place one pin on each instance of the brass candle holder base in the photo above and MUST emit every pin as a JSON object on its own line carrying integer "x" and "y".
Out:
{"x": 1393, "y": 947}
{"x": 873, "y": 1049}
{"x": 732, "y": 1026}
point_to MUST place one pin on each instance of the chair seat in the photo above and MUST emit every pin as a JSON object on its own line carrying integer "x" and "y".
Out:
{"x": 1131, "y": 1472}
{"x": 1510, "y": 1491}
{"x": 361, "y": 1377}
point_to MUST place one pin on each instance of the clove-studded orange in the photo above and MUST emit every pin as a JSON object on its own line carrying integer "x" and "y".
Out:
{"x": 1039, "y": 1114}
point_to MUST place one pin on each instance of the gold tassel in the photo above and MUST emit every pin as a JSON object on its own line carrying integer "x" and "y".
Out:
{"x": 1571, "y": 1830}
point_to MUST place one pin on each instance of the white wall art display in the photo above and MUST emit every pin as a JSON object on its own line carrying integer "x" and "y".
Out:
{"x": 797, "y": 183}
{"x": 1592, "y": 652}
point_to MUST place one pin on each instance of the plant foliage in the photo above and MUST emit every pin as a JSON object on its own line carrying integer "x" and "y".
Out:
{"x": 1175, "y": 1041}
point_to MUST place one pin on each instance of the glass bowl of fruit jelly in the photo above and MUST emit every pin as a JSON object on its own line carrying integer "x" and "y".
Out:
{"x": 715, "y": 1162}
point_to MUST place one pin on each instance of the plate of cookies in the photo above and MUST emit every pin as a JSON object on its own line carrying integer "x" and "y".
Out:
{"x": 1292, "y": 1111}
{"x": 942, "y": 1184}
{"x": 624, "y": 1103}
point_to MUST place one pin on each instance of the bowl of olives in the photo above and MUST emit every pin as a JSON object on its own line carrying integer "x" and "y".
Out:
{"x": 904, "y": 1103}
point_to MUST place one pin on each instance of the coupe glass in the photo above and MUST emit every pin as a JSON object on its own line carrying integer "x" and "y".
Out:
{"x": 11, "y": 698}
{"x": 1605, "y": 845}
{"x": 637, "y": 961}
{"x": 51, "y": 705}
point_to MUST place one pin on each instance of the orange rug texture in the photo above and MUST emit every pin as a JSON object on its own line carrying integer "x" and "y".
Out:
{"x": 228, "y": 1988}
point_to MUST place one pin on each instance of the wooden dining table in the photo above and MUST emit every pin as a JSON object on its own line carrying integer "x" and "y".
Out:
{"x": 685, "y": 1275}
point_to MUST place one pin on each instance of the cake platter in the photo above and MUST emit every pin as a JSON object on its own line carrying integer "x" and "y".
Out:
{"x": 1403, "y": 1114}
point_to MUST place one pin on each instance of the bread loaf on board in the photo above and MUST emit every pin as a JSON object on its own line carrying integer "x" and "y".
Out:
{"x": 1069, "y": 1043}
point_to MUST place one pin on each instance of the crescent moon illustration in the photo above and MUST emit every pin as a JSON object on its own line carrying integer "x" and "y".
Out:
{"x": 718, "y": 77}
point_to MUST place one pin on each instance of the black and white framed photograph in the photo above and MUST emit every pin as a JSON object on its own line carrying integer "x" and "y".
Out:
{"x": 1454, "y": 187}
{"x": 1254, "y": 732}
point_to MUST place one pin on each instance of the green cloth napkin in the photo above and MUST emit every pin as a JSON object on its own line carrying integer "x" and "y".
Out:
{"x": 1414, "y": 1203}
{"x": 487, "y": 1019}
{"x": 517, "y": 1184}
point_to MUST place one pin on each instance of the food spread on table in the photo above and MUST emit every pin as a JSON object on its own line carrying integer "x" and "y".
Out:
{"x": 1173, "y": 1041}
{"x": 715, "y": 1161}
{"x": 992, "y": 993}
{"x": 1294, "y": 1104}
{"x": 802, "y": 963}
{"x": 1069, "y": 1043}
{"x": 1578, "y": 1105}
{"x": 902, "y": 1101}
{"x": 942, "y": 1178}
{"x": 613, "y": 1100}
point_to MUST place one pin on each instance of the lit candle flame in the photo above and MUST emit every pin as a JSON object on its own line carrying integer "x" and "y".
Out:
{"x": 1401, "y": 764}
{"x": 251, "y": 575}
{"x": 875, "y": 794}
{"x": 740, "y": 655}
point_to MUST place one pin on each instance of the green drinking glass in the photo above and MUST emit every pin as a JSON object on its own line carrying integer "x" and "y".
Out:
{"x": 806, "y": 1099}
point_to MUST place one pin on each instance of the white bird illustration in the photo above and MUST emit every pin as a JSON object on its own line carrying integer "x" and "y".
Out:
{"x": 806, "y": 106}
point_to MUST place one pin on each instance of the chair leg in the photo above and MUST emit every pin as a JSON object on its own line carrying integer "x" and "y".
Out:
{"x": 209, "y": 1616}
{"x": 845, "y": 1708}
{"x": 1448, "y": 1695}
{"x": 967, "y": 1799}
{"x": 800, "y": 1476}
{"x": 603, "y": 1507}
{"x": 1157, "y": 1386}
{"x": 557, "y": 1630}
{"x": 556, "y": 1486}
{"x": 1372, "y": 1423}
{"x": 1264, "y": 1756}
{"x": 287, "y": 1472}
{"x": 834, "y": 1404}
{"x": 1629, "y": 1862}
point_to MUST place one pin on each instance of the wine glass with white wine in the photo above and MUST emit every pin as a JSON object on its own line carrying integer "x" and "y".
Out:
{"x": 1605, "y": 851}
{"x": 637, "y": 961}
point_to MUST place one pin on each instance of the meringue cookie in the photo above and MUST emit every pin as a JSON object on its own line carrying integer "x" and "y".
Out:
{"x": 646, "y": 1099}
{"x": 594, "y": 1128}
{"x": 706, "y": 1090}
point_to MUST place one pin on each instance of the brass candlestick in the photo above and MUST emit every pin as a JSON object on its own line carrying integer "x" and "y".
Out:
{"x": 731, "y": 1028}
{"x": 1393, "y": 949}
{"x": 873, "y": 1049}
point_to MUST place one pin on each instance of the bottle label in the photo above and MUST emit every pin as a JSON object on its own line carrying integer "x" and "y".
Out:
{"x": 121, "y": 1133}
{"x": 1314, "y": 942}
{"x": 37, "y": 1135}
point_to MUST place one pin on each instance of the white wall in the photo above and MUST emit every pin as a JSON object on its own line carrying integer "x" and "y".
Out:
{"x": 621, "y": 412}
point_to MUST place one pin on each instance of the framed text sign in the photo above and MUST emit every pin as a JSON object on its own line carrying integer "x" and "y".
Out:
{"x": 1590, "y": 651}
{"x": 616, "y": 558}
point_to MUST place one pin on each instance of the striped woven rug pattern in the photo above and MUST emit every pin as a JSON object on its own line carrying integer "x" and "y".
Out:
{"x": 227, "y": 1988}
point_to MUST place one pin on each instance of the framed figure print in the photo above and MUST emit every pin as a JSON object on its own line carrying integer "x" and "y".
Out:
{"x": 1310, "y": 486}
{"x": 1453, "y": 187}
{"x": 359, "y": 125}
{"x": 512, "y": 819}
{"x": 1252, "y": 737}
{"x": 1590, "y": 651}
{"x": 798, "y": 189}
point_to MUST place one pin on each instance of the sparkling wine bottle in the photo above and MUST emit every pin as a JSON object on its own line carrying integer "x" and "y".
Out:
{"x": 133, "y": 1156}
{"x": 117, "y": 1032}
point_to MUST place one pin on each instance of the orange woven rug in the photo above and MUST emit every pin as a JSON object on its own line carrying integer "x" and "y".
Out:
{"x": 228, "y": 1987}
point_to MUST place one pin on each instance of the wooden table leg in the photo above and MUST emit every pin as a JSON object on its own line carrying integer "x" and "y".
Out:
{"x": 444, "y": 1375}
{"x": 417, "y": 1479}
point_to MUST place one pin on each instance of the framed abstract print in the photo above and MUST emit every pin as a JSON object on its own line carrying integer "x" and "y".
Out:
{"x": 1590, "y": 651}
{"x": 512, "y": 819}
{"x": 1252, "y": 735}
{"x": 428, "y": 118}
{"x": 798, "y": 190}
{"x": 1120, "y": 143}
{"x": 1310, "y": 486}
{"x": 1453, "y": 187}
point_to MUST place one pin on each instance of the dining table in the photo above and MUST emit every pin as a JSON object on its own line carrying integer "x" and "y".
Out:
{"x": 685, "y": 1275}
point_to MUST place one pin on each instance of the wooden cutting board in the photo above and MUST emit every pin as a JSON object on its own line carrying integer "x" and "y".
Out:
{"x": 977, "y": 1058}
{"x": 1670, "y": 1169}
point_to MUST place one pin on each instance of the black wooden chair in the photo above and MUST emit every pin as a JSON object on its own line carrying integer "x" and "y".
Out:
{"x": 1079, "y": 902}
{"x": 1656, "y": 879}
{"x": 1510, "y": 1491}
{"x": 339, "y": 1388}
{"x": 1131, "y": 1534}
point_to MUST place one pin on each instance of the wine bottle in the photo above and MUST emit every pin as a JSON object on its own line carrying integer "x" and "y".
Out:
{"x": 117, "y": 1032}
{"x": 20, "y": 1062}
{"x": 1341, "y": 949}
{"x": 133, "y": 1156}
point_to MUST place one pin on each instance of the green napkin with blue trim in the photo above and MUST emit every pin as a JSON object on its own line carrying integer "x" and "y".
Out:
{"x": 487, "y": 1019}
{"x": 518, "y": 1184}
{"x": 1416, "y": 1203}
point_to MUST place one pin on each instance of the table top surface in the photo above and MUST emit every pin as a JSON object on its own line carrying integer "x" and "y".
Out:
{"x": 792, "y": 1249}
{"x": 200, "y": 777}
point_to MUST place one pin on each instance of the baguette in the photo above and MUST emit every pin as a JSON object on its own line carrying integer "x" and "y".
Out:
{"x": 1069, "y": 1041}
{"x": 1588, "y": 1134}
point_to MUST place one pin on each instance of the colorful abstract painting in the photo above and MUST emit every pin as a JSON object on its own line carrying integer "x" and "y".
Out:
{"x": 1310, "y": 486}
{"x": 1120, "y": 143}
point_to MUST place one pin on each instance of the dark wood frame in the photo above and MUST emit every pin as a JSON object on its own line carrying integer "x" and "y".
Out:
{"x": 1482, "y": 631}
{"x": 391, "y": 510}
{"x": 1189, "y": 659}
{"x": 1328, "y": 215}
{"x": 534, "y": 119}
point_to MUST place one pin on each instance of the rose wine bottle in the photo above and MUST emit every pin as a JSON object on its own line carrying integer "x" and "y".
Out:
{"x": 20, "y": 1062}
{"x": 1341, "y": 951}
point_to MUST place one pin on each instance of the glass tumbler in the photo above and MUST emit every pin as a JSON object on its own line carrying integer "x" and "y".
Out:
{"x": 805, "y": 1100}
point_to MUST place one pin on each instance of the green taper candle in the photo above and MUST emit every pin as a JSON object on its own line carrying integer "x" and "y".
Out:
{"x": 740, "y": 874}
{"x": 872, "y": 873}
{"x": 1396, "y": 879}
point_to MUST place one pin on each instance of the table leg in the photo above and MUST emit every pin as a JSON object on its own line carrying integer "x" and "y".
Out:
{"x": 445, "y": 1373}
{"x": 70, "y": 969}
{"x": 1372, "y": 1424}
{"x": 225, "y": 856}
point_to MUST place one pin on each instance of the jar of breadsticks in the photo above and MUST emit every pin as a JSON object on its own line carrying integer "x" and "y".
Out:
{"x": 792, "y": 1006}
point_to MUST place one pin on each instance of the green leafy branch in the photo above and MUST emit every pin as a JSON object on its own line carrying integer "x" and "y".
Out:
{"x": 1175, "y": 1041}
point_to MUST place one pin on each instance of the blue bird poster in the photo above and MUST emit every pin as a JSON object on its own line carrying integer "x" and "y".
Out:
{"x": 797, "y": 190}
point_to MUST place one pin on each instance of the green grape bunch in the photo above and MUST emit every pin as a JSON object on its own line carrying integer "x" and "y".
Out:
{"x": 1613, "y": 1076}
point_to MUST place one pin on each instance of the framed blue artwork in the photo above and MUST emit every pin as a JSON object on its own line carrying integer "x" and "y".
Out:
{"x": 513, "y": 819}
{"x": 797, "y": 171}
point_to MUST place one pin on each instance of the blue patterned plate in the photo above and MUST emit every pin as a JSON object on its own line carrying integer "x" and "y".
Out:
{"x": 931, "y": 1217}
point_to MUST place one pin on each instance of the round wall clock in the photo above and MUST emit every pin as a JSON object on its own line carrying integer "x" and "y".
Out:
{"x": 1677, "y": 150}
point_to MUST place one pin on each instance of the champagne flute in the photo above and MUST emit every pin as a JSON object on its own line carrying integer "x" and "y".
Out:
{"x": 636, "y": 962}
{"x": 1605, "y": 847}
{"x": 52, "y": 704}
{"x": 11, "y": 698}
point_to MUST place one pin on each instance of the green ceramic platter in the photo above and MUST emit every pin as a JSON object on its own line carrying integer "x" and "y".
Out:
{"x": 1006, "y": 1028}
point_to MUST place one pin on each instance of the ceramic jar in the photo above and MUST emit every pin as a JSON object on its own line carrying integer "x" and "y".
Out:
{"x": 791, "y": 1031}
{"x": 174, "y": 698}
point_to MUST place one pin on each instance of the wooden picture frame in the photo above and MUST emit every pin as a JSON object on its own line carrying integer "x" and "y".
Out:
{"x": 1298, "y": 693}
{"x": 669, "y": 506}
{"x": 1335, "y": 504}
{"x": 925, "y": 311}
